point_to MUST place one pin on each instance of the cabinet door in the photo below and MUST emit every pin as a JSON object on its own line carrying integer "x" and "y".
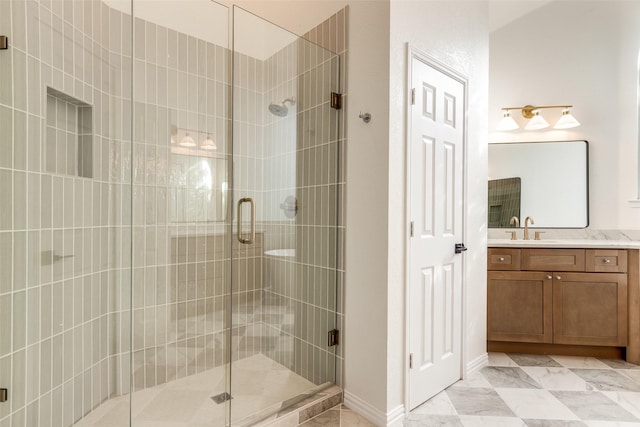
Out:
{"x": 590, "y": 308}
{"x": 519, "y": 306}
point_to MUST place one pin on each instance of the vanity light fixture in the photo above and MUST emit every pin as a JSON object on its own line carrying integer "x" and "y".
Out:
{"x": 536, "y": 121}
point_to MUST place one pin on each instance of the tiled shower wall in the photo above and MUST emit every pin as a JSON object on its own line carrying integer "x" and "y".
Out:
{"x": 332, "y": 34}
{"x": 63, "y": 238}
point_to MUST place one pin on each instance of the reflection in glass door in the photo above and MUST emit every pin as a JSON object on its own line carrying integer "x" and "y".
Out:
{"x": 180, "y": 190}
{"x": 285, "y": 158}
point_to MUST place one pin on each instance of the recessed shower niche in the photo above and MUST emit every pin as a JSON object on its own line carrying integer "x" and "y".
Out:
{"x": 69, "y": 137}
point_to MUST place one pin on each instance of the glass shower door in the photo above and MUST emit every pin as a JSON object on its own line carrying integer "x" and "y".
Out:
{"x": 180, "y": 190}
{"x": 285, "y": 189}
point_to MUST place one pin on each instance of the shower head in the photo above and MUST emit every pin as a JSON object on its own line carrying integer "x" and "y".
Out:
{"x": 281, "y": 109}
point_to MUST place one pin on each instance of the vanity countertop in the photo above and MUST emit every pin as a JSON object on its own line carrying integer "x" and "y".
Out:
{"x": 564, "y": 243}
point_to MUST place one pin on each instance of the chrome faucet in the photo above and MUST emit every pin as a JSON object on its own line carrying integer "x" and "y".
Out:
{"x": 526, "y": 227}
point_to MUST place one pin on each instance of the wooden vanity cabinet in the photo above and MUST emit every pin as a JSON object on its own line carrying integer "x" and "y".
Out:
{"x": 560, "y": 298}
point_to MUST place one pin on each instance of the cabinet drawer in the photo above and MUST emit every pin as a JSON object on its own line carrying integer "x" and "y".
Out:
{"x": 503, "y": 259}
{"x": 607, "y": 260}
{"x": 553, "y": 259}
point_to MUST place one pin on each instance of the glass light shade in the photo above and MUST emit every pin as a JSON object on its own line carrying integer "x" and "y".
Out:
{"x": 208, "y": 144}
{"x": 187, "y": 141}
{"x": 507, "y": 123}
{"x": 567, "y": 121}
{"x": 537, "y": 122}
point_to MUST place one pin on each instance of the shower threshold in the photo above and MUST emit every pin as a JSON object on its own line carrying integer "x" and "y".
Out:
{"x": 261, "y": 387}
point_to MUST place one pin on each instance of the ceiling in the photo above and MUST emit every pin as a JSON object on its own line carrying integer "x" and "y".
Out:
{"x": 208, "y": 20}
{"x": 503, "y": 12}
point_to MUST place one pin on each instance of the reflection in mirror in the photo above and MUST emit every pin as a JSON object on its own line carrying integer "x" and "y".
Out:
{"x": 198, "y": 186}
{"x": 545, "y": 180}
{"x": 504, "y": 201}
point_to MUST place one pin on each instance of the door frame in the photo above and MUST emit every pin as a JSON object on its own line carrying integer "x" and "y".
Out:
{"x": 415, "y": 53}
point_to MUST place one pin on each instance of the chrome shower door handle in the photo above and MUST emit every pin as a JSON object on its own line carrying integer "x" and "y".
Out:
{"x": 252, "y": 236}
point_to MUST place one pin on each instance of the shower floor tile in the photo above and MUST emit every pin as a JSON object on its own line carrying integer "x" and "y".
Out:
{"x": 259, "y": 384}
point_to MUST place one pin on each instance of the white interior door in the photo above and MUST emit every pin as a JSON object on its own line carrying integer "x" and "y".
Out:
{"x": 436, "y": 212}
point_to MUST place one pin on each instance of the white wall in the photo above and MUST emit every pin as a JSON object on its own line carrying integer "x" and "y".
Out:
{"x": 585, "y": 54}
{"x": 455, "y": 33}
{"x": 367, "y": 202}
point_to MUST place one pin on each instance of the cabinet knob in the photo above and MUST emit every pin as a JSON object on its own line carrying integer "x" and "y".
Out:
{"x": 549, "y": 277}
{"x": 559, "y": 277}
{"x": 501, "y": 259}
{"x": 606, "y": 261}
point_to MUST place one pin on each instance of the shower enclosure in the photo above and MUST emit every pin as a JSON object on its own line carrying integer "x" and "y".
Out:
{"x": 169, "y": 207}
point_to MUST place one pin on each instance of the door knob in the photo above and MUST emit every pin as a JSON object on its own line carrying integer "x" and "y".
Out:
{"x": 460, "y": 247}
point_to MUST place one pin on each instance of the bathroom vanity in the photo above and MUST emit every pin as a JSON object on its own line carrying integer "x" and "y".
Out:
{"x": 564, "y": 297}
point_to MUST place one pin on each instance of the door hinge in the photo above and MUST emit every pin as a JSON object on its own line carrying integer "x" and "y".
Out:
{"x": 4, "y": 42}
{"x": 411, "y": 229}
{"x": 4, "y": 394}
{"x": 413, "y": 96}
{"x": 410, "y": 360}
{"x": 334, "y": 337}
{"x": 336, "y": 100}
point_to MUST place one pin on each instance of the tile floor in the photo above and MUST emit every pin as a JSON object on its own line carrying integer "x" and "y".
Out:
{"x": 260, "y": 383}
{"x": 518, "y": 390}
{"x": 514, "y": 390}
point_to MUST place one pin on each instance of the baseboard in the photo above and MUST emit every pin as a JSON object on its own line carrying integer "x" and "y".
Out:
{"x": 377, "y": 417}
{"x": 395, "y": 417}
{"x": 476, "y": 364}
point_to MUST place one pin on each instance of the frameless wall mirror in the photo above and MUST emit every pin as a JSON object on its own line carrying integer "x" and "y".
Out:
{"x": 548, "y": 181}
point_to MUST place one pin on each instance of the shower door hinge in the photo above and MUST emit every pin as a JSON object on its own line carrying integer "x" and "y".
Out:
{"x": 413, "y": 96}
{"x": 4, "y": 395}
{"x": 410, "y": 360}
{"x": 411, "y": 229}
{"x": 336, "y": 100}
{"x": 4, "y": 42}
{"x": 334, "y": 337}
